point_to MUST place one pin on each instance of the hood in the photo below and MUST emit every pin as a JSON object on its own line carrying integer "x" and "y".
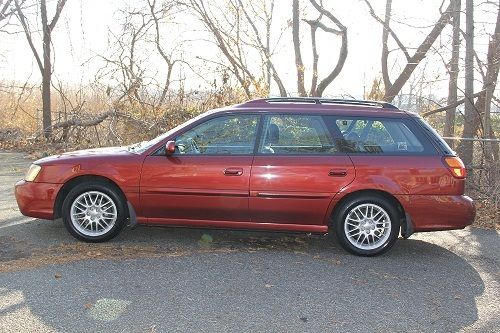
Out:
{"x": 74, "y": 156}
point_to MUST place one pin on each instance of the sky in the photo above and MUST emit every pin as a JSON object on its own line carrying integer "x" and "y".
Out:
{"x": 83, "y": 33}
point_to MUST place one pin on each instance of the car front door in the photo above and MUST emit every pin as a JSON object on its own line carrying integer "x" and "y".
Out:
{"x": 207, "y": 178}
{"x": 297, "y": 171}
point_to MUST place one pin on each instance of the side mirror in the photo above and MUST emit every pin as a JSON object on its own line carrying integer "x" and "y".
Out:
{"x": 170, "y": 148}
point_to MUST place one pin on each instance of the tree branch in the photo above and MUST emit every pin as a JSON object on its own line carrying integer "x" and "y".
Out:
{"x": 27, "y": 33}
{"x": 59, "y": 8}
{"x": 388, "y": 28}
{"x": 453, "y": 105}
{"x": 343, "y": 49}
{"x": 265, "y": 50}
{"x": 3, "y": 9}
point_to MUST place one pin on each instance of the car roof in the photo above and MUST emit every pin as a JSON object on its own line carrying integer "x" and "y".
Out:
{"x": 345, "y": 107}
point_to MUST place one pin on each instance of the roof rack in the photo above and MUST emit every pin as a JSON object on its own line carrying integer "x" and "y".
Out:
{"x": 319, "y": 100}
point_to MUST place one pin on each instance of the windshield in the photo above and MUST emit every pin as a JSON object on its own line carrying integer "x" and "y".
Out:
{"x": 145, "y": 145}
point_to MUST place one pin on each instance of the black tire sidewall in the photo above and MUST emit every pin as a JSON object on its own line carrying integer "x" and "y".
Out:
{"x": 92, "y": 186}
{"x": 348, "y": 205}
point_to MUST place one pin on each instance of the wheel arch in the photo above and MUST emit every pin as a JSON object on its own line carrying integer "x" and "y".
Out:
{"x": 70, "y": 184}
{"x": 404, "y": 217}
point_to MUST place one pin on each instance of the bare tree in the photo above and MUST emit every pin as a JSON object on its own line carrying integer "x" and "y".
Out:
{"x": 412, "y": 61}
{"x": 45, "y": 66}
{"x": 479, "y": 117}
{"x": 316, "y": 89}
{"x": 449, "y": 126}
{"x": 235, "y": 30}
{"x": 140, "y": 65}
{"x": 228, "y": 39}
{"x": 125, "y": 64}
{"x": 299, "y": 64}
{"x": 465, "y": 148}
{"x": 6, "y": 9}
{"x": 483, "y": 102}
{"x": 157, "y": 16}
{"x": 265, "y": 49}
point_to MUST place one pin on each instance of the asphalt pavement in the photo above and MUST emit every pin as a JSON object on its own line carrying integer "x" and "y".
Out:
{"x": 193, "y": 280}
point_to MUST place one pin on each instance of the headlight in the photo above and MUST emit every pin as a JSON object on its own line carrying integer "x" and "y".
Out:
{"x": 32, "y": 172}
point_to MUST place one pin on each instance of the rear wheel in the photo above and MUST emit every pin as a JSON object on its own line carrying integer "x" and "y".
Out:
{"x": 367, "y": 225}
{"x": 94, "y": 212}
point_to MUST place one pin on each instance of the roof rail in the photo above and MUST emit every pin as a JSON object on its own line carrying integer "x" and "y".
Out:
{"x": 319, "y": 100}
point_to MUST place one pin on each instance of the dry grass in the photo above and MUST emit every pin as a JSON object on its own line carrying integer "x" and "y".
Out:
{"x": 484, "y": 187}
{"x": 134, "y": 120}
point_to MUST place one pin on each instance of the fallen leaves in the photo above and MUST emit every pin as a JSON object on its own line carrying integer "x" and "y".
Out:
{"x": 66, "y": 253}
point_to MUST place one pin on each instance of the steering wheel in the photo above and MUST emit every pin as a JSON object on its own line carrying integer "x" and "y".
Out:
{"x": 194, "y": 146}
{"x": 188, "y": 146}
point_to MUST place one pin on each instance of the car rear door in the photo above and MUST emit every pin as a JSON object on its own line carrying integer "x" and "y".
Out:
{"x": 297, "y": 170}
{"x": 207, "y": 178}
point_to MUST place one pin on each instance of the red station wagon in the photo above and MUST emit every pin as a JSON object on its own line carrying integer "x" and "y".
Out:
{"x": 366, "y": 170}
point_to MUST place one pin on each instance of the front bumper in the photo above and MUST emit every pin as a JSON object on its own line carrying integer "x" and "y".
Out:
{"x": 36, "y": 199}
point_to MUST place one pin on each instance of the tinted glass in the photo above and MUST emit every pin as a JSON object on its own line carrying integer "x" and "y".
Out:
{"x": 435, "y": 136}
{"x": 295, "y": 134}
{"x": 375, "y": 136}
{"x": 225, "y": 135}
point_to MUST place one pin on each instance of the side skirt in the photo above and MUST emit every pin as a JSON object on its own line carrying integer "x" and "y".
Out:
{"x": 235, "y": 225}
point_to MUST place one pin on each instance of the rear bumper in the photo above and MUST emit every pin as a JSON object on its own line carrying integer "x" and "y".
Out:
{"x": 36, "y": 199}
{"x": 439, "y": 212}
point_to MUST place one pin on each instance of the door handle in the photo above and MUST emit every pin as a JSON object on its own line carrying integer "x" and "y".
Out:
{"x": 337, "y": 173}
{"x": 233, "y": 171}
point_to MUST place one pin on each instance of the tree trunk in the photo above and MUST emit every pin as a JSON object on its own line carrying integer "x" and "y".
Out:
{"x": 268, "y": 49}
{"x": 44, "y": 65}
{"x": 385, "y": 48}
{"x": 46, "y": 73}
{"x": 296, "y": 46}
{"x": 465, "y": 148}
{"x": 449, "y": 126}
{"x": 483, "y": 103}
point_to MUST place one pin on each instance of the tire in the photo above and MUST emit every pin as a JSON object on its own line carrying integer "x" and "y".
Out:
{"x": 367, "y": 225}
{"x": 94, "y": 212}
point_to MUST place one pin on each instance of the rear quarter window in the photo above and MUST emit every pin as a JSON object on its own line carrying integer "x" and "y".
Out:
{"x": 435, "y": 137}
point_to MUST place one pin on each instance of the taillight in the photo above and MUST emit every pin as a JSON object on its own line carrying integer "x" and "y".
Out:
{"x": 456, "y": 166}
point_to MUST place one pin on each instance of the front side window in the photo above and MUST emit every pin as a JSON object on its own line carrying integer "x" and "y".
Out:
{"x": 295, "y": 135}
{"x": 226, "y": 135}
{"x": 372, "y": 135}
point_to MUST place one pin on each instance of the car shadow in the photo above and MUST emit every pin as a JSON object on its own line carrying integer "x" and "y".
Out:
{"x": 238, "y": 280}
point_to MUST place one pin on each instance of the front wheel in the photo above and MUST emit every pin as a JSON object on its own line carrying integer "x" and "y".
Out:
{"x": 367, "y": 225}
{"x": 94, "y": 212}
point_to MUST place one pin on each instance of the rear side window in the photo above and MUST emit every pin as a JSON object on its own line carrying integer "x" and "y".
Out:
{"x": 380, "y": 136}
{"x": 295, "y": 135}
